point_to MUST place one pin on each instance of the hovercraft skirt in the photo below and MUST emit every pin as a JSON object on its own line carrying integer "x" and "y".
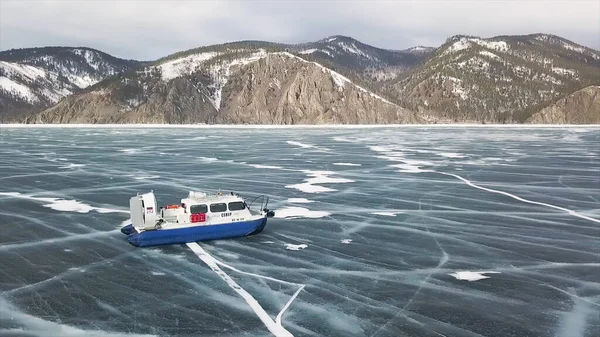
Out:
{"x": 195, "y": 233}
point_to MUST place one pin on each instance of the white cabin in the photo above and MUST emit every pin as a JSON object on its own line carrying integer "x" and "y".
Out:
{"x": 196, "y": 210}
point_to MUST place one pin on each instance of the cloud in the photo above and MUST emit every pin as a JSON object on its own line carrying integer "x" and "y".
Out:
{"x": 151, "y": 29}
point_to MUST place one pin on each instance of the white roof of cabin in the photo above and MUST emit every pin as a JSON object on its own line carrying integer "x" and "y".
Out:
{"x": 202, "y": 198}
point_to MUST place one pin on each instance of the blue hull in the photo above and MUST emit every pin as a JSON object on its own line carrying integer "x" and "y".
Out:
{"x": 127, "y": 229}
{"x": 193, "y": 234}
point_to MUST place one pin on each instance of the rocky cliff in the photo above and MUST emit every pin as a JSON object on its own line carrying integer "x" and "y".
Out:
{"x": 580, "y": 107}
{"x": 254, "y": 87}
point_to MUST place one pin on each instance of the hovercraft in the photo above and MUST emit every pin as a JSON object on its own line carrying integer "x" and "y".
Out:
{"x": 199, "y": 217}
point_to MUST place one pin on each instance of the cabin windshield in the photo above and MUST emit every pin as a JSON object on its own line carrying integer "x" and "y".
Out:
{"x": 196, "y": 209}
{"x": 236, "y": 206}
{"x": 218, "y": 208}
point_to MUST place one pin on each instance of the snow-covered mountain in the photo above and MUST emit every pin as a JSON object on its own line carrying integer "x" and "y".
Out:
{"x": 338, "y": 79}
{"x": 499, "y": 79}
{"x": 246, "y": 82}
{"x": 34, "y": 78}
{"x": 354, "y": 57}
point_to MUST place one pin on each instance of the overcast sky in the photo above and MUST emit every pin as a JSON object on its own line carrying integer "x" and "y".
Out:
{"x": 148, "y": 30}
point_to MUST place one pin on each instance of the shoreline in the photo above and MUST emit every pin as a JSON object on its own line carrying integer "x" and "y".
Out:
{"x": 297, "y": 126}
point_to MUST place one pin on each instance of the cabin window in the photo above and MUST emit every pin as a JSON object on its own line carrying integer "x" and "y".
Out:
{"x": 218, "y": 208}
{"x": 236, "y": 206}
{"x": 197, "y": 209}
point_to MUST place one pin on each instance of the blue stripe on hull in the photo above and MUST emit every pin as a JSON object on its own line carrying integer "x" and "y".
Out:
{"x": 199, "y": 233}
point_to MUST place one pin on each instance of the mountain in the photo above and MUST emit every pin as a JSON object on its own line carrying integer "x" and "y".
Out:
{"x": 34, "y": 78}
{"x": 503, "y": 79}
{"x": 580, "y": 107}
{"x": 248, "y": 82}
{"x": 358, "y": 59}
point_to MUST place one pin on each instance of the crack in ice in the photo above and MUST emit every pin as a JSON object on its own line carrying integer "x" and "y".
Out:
{"x": 274, "y": 326}
{"x": 571, "y": 212}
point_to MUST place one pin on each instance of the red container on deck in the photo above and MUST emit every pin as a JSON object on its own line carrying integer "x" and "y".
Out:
{"x": 198, "y": 217}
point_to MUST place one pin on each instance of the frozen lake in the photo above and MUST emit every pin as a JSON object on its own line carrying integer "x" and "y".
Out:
{"x": 412, "y": 231}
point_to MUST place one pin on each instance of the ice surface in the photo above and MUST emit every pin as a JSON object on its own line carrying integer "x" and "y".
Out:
{"x": 298, "y": 212}
{"x": 515, "y": 207}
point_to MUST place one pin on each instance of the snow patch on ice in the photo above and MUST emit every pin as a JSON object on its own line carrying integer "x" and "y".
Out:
{"x": 299, "y": 200}
{"x": 146, "y": 177}
{"x": 81, "y": 270}
{"x": 412, "y": 166}
{"x": 451, "y": 155}
{"x": 63, "y": 205}
{"x": 386, "y": 213}
{"x": 290, "y": 246}
{"x": 406, "y": 165}
{"x": 318, "y": 177}
{"x": 302, "y": 145}
{"x": 299, "y": 212}
{"x": 71, "y": 166}
{"x": 346, "y": 164}
{"x": 379, "y": 149}
{"x": 472, "y": 275}
{"x": 265, "y": 166}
